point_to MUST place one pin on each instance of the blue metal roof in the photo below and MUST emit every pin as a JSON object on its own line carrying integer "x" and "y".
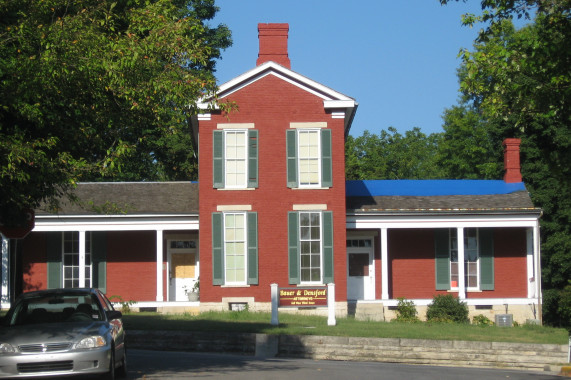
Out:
{"x": 430, "y": 187}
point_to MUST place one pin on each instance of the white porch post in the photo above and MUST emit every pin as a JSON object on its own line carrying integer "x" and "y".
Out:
{"x": 331, "y": 321}
{"x": 81, "y": 259}
{"x": 384, "y": 265}
{"x": 160, "y": 265}
{"x": 274, "y": 294}
{"x": 5, "y": 296}
{"x": 537, "y": 269}
{"x": 461, "y": 278}
{"x": 530, "y": 252}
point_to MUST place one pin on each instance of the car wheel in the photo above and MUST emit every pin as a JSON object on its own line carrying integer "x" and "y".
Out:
{"x": 122, "y": 370}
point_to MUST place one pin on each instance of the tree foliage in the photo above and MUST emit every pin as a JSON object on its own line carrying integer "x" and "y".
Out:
{"x": 519, "y": 81}
{"x": 391, "y": 155}
{"x": 91, "y": 87}
{"x": 467, "y": 149}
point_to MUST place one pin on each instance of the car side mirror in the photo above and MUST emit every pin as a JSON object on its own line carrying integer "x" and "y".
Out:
{"x": 114, "y": 314}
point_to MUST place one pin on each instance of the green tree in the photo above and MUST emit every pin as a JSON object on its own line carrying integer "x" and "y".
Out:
{"x": 391, "y": 155}
{"x": 467, "y": 149}
{"x": 92, "y": 87}
{"x": 520, "y": 82}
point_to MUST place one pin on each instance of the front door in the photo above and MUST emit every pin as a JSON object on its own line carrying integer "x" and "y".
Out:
{"x": 182, "y": 271}
{"x": 360, "y": 268}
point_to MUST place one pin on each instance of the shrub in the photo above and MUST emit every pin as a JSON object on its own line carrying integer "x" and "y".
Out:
{"x": 406, "y": 311}
{"x": 446, "y": 308}
{"x": 125, "y": 305}
{"x": 482, "y": 320}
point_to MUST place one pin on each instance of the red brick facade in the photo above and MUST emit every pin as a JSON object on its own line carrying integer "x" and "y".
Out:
{"x": 271, "y": 104}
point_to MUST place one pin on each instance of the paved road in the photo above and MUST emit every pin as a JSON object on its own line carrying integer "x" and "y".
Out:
{"x": 183, "y": 365}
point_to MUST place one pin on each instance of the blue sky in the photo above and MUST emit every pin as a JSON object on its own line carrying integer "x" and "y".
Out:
{"x": 397, "y": 58}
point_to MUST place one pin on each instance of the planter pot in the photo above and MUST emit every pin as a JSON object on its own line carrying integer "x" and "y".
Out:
{"x": 192, "y": 296}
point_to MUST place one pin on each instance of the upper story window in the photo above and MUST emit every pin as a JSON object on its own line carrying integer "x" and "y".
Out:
{"x": 235, "y": 158}
{"x": 309, "y": 157}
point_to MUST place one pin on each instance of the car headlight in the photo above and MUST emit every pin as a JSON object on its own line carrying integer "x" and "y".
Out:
{"x": 6, "y": 348}
{"x": 92, "y": 342}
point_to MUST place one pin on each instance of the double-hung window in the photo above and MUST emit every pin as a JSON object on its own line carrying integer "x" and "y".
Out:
{"x": 478, "y": 249}
{"x": 310, "y": 241}
{"x": 71, "y": 257}
{"x": 471, "y": 259}
{"x": 64, "y": 256}
{"x": 309, "y": 157}
{"x": 235, "y": 158}
{"x": 235, "y": 248}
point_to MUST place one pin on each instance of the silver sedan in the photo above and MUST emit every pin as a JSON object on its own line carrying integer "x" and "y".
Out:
{"x": 62, "y": 332}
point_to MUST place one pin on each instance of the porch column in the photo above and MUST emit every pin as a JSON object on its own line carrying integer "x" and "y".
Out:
{"x": 81, "y": 259}
{"x": 537, "y": 269}
{"x": 160, "y": 265}
{"x": 530, "y": 252}
{"x": 5, "y": 296}
{"x": 461, "y": 278}
{"x": 384, "y": 265}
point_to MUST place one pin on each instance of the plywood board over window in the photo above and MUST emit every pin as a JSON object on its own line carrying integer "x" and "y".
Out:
{"x": 184, "y": 265}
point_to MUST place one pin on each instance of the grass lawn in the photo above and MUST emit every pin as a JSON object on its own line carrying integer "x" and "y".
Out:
{"x": 290, "y": 324}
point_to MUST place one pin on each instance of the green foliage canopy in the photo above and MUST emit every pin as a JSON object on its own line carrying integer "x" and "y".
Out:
{"x": 519, "y": 82}
{"x": 91, "y": 87}
{"x": 391, "y": 155}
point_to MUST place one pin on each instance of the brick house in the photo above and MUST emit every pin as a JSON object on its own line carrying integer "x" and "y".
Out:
{"x": 272, "y": 206}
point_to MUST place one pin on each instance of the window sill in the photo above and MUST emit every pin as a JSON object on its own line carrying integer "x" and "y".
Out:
{"x": 456, "y": 290}
{"x": 310, "y": 188}
{"x": 237, "y": 188}
{"x": 235, "y": 286}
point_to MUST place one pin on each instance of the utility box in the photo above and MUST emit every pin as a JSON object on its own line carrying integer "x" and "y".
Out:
{"x": 504, "y": 320}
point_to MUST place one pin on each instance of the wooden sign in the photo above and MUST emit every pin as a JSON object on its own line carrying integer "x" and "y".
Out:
{"x": 303, "y": 297}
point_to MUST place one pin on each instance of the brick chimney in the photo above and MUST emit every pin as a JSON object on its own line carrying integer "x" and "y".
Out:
{"x": 511, "y": 160}
{"x": 273, "y": 44}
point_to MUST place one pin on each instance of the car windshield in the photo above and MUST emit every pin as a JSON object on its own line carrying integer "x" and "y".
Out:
{"x": 56, "y": 308}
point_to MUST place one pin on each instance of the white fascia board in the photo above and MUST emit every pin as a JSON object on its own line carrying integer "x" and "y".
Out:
{"x": 337, "y": 104}
{"x": 116, "y": 223}
{"x": 466, "y": 221}
{"x": 272, "y": 68}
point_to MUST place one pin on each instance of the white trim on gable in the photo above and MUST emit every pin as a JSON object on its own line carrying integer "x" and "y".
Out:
{"x": 341, "y": 106}
{"x": 290, "y": 76}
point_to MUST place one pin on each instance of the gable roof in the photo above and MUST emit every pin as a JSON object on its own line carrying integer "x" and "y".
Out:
{"x": 438, "y": 196}
{"x": 332, "y": 100}
{"x": 131, "y": 198}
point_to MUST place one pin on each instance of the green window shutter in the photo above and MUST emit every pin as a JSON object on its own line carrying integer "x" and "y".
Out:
{"x": 217, "y": 249}
{"x": 486, "y": 258}
{"x": 442, "y": 254}
{"x": 326, "y": 162}
{"x": 293, "y": 247}
{"x": 218, "y": 159}
{"x": 99, "y": 260}
{"x": 54, "y": 258}
{"x": 328, "y": 247}
{"x": 252, "y": 222}
{"x": 252, "y": 158}
{"x": 291, "y": 147}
